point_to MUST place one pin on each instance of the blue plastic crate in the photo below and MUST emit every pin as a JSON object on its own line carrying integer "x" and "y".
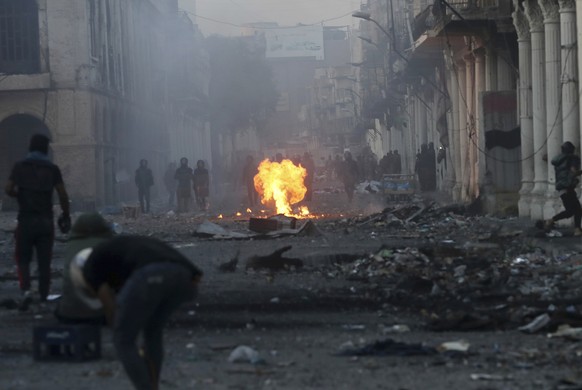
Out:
{"x": 66, "y": 343}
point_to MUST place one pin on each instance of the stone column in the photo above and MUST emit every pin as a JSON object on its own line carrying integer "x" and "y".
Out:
{"x": 463, "y": 131}
{"x": 417, "y": 125}
{"x": 454, "y": 141}
{"x": 553, "y": 55}
{"x": 416, "y": 118}
{"x": 449, "y": 155}
{"x": 480, "y": 164}
{"x": 422, "y": 135}
{"x": 471, "y": 125}
{"x": 535, "y": 18}
{"x": 570, "y": 109}
{"x": 525, "y": 111}
{"x": 409, "y": 158}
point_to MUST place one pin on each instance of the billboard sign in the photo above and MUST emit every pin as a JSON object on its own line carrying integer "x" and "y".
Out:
{"x": 300, "y": 41}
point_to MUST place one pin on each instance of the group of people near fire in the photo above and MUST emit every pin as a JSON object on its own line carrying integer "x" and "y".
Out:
{"x": 370, "y": 168}
{"x": 135, "y": 283}
{"x": 180, "y": 182}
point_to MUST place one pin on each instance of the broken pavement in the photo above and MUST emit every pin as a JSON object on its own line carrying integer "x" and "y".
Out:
{"x": 418, "y": 273}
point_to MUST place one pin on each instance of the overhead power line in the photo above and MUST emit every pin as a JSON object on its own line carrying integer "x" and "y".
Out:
{"x": 267, "y": 27}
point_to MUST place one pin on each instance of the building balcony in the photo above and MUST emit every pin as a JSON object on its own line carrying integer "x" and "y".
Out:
{"x": 479, "y": 9}
{"x": 475, "y": 4}
{"x": 439, "y": 26}
{"x": 465, "y": 15}
{"x": 478, "y": 13}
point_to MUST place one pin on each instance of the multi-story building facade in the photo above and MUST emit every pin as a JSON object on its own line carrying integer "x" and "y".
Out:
{"x": 305, "y": 61}
{"x": 110, "y": 82}
{"x": 495, "y": 85}
{"x": 463, "y": 54}
{"x": 335, "y": 99}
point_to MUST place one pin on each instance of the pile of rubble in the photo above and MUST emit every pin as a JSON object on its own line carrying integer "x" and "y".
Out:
{"x": 464, "y": 273}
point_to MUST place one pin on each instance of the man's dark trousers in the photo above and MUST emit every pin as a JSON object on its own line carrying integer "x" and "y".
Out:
{"x": 35, "y": 233}
{"x": 144, "y": 305}
{"x": 144, "y": 199}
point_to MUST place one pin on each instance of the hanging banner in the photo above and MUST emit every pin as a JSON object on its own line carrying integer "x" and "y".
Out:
{"x": 301, "y": 41}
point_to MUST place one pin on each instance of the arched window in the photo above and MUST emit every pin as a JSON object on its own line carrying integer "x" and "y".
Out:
{"x": 19, "y": 37}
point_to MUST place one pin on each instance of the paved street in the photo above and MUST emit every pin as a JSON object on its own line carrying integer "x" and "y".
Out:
{"x": 301, "y": 320}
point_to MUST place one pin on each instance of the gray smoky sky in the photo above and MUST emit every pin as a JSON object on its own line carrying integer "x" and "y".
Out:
{"x": 284, "y": 12}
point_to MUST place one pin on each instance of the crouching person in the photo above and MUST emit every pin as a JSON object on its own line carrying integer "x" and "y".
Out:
{"x": 140, "y": 281}
{"x": 75, "y": 306}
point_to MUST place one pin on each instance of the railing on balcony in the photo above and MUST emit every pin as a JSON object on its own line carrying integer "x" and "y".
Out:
{"x": 468, "y": 4}
{"x": 434, "y": 15}
{"x": 488, "y": 3}
{"x": 459, "y": 4}
{"x": 479, "y": 9}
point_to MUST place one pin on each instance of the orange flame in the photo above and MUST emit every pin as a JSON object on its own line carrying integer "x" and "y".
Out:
{"x": 281, "y": 182}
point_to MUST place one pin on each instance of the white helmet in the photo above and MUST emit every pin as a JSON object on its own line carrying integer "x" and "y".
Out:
{"x": 84, "y": 292}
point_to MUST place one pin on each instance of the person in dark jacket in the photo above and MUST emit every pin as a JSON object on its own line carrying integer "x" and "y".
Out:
{"x": 309, "y": 165}
{"x": 431, "y": 167}
{"x": 349, "y": 175}
{"x": 32, "y": 182}
{"x": 144, "y": 180}
{"x": 201, "y": 185}
{"x": 337, "y": 167}
{"x": 397, "y": 163}
{"x": 567, "y": 168}
{"x": 250, "y": 170}
{"x": 183, "y": 192}
{"x": 140, "y": 281}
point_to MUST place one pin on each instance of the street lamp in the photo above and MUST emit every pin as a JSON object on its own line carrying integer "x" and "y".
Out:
{"x": 368, "y": 17}
{"x": 362, "y": 15}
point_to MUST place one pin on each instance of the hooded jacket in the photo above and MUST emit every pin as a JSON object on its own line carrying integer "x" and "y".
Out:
{"x": 565, "y": 177}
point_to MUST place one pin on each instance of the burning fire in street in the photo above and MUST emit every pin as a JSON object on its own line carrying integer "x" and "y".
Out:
{"x": 282, "y": 183}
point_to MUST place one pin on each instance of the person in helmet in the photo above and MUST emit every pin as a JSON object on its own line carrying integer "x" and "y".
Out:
{"x": 567, "y": 168}
{"x": 349, "y": 175}
{"x": 75, "y": 306}
{"x": 201, "y": 185}
{"x": 183, "y": 176}
{"x": 144, "y": 180}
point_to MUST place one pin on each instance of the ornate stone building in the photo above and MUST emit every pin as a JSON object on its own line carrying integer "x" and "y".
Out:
{"x": 494, "y": 85}
{"x": 110, "y": 81}
{"x": 549, "y": 96}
